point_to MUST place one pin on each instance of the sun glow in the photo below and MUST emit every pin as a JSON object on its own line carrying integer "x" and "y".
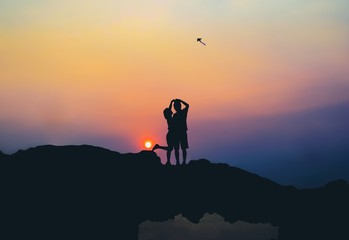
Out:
{"x": 148, "y": 144}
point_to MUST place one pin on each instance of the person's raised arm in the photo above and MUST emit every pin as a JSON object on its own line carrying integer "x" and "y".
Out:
{"x": 184, "y": 103}
{"x": 170, "y": 106}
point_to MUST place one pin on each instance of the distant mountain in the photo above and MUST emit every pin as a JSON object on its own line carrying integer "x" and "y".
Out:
{"x": 91, "y": 192}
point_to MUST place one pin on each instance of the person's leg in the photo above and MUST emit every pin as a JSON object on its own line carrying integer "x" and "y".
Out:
{"x": 177, "y": 156}
{"x": 168, "y": 157}
{"x": 184, "y": 146}
{"x": 157, "y": 146}
{"x": 184, "y": 151}
{"x": 170, "y": 144}
{"x": 176, "y": 146}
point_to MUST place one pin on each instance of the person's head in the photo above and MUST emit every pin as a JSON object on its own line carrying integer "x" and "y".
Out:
{"x": 167, "y": 113}
{"x": 177, "y": 105}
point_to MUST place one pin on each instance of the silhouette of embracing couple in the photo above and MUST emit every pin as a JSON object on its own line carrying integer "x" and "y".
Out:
{"x": 177, "y": 130}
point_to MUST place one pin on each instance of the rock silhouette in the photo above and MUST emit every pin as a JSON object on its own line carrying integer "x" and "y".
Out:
{"x": 50, "y": 192}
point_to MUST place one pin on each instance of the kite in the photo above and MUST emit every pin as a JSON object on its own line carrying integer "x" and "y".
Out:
{"x": 199, "y": 40}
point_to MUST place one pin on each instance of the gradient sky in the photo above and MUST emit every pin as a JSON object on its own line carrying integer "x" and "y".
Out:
{"x": 269, "y": 92}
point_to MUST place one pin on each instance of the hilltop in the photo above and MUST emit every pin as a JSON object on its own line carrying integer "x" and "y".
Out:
{"x": 92, "y": 192}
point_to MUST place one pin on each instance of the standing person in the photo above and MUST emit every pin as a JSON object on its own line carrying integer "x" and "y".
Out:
{"x": 169, "y": 135}
{"x": 180, "y": 129}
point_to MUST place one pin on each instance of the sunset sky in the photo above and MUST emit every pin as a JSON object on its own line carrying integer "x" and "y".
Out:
{"x": 269, "y": 93}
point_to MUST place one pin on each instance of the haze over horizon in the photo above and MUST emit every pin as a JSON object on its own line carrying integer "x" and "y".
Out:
{"x": 268, "y": 93}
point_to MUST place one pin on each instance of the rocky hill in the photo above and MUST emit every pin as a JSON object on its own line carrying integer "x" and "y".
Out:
{"x": 84, "y": 191}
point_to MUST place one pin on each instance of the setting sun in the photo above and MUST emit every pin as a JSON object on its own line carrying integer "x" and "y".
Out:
{"x": 148, "y": 144}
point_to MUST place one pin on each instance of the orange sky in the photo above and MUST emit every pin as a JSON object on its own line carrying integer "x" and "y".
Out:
{"x": 108, "y": 68}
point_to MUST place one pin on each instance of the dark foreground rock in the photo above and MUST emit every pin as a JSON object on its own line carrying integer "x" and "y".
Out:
{"x": 76, "y": 192}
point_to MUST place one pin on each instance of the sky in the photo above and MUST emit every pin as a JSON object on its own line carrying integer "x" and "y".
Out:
{"x": 268, "y": 93}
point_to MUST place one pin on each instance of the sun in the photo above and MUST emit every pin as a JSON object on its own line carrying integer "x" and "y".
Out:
{"x": 148, "y": 144}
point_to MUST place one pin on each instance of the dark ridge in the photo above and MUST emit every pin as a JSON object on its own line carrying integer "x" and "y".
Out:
{"x": 51, "y": 152}
{"x": 91, "y": 192}
{"x": 2, "y": 155}
{"x": 340, "y": 183}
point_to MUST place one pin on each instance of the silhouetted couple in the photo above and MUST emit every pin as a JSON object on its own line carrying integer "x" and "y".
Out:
{"x": 177, "y": 130}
